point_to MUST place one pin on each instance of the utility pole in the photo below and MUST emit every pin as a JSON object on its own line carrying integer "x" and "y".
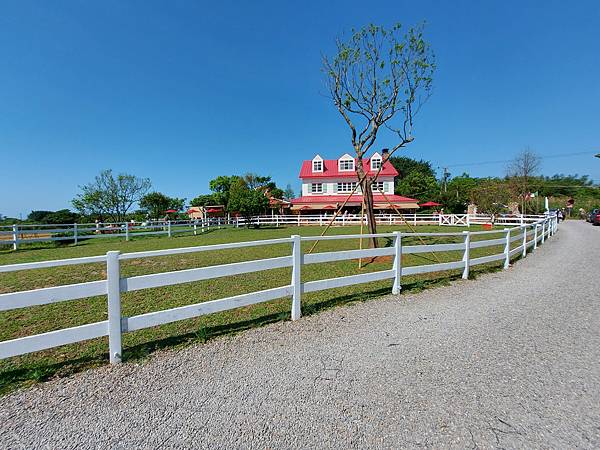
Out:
{"x": 446, "y": 175}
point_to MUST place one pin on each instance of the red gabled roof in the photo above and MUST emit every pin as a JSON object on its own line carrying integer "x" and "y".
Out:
{"x": 330, "y": 169}
{"x": 333, "y": 199}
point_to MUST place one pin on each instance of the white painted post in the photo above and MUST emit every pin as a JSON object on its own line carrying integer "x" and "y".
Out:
{"x": 524, "y": 228}
{"x": 298, "y": 218}
{"x": 467, "y": 254}
{"x": 126, "y": 231}
{"x": 75, "y": 233}
{"x": 277, "y": 221}
{"x": 169, "y": 232}
{"x": 321, "y": 219}
{"x": 415, "y": 218}
{"x": 15, "y": 236}
{"x": 439, "y": 219}
{"x": 468, "y": 220}
{"x": 114, "y": 306}
{"x": 195, "y": 228}
{"x": 296, "y": 277}
{"x": 544, "y": 230}
{"x": 535, "y": 235}
{"x": 507, "y": 249}
{"x": 397, "y": 263}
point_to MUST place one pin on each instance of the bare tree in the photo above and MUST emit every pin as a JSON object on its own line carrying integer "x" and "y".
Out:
{"x": 378, "y": 80}
{"x": 520, "y": 172}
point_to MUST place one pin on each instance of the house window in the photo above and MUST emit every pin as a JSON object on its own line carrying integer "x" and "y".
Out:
{"x": 346, "y": 164}
{"x": 317, "y": 166}
{"x": 346, "y": 186}
{"x": 375, "y": 163}
{"x": 316, "y": 188}
{"x": 377, "y": 186}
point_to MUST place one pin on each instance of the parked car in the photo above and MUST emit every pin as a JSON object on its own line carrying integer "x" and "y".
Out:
{"x": 594, "y": 217}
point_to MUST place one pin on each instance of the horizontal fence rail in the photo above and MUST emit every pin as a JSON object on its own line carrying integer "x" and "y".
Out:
{"x": 528, "y": 235}
{"x": 16, "y": 235}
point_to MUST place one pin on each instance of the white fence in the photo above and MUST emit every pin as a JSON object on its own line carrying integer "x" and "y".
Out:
{"x": 528, "y": 236}
{"x": 15, "y": 235}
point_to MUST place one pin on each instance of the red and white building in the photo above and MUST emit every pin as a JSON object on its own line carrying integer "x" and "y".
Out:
{"x": 327, "y": 183}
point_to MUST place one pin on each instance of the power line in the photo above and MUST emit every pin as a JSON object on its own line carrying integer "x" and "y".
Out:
{"x": 504, "y": 161}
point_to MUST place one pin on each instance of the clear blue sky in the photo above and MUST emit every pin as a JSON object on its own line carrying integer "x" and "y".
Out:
{"x": 182, "y": 91}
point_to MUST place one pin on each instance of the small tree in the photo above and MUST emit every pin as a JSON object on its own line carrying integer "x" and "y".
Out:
{"x": 156, "y": 203}
{"x": 289, "y": 194}
{"x": 521, "y": 172}
{"x": 491, "y": 196}
{"x": 110, "y": 196}
{"x": 245, "y": 201}
{"x": 378, "y": 80}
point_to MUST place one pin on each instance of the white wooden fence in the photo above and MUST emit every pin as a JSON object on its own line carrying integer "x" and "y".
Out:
{"x": 528, "y": 236}
{"x": 15, "y": 235}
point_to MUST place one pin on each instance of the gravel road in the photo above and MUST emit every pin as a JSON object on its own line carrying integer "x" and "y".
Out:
{"x": 510, "y": 360}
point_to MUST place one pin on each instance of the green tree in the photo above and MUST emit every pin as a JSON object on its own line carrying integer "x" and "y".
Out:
{"x": 156, "y": 203}
{"x": 405, "y": 166}
{"x": 418, "y": 185}
{"x": 204, "y": 200}
{"x": 221, "y": 186}
{"x": 378, "y": 80}
{"x": 245, "y": 201}
{"x": 288, "y": 194}
{"x": 458, "y": 193}
{"x": 491, "y": 196}
{"x": 109, "y": 196}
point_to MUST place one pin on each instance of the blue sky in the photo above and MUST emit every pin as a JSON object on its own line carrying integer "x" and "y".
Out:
{"x": 183, "y": 91}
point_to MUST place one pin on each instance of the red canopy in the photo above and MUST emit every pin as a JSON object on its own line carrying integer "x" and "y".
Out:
{"x": 329, "y": 207}
{"x": 171, "y": 211}
{"x": 213, "y": 210}
{"x": 430, "y": 204}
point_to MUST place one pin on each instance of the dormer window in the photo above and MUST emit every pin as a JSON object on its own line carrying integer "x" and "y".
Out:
{"x": 317, "y": 164}
{"x": 376, "y": 161}
{"x": 346, "y": 163}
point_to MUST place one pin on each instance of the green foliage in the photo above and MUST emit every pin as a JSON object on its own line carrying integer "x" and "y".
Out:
{"x": 246, "y": 201}
{"x": 62, "y": 216}
{"x": 418, "y": 185}
{"x": 405, "y": 166}
{"x": 492, "y": 196}
{"x": 205, "y": 200}
{"x": 288, "y": 194}
{"x": 457, "y": 195}
{"x": 109, "y": 196}
{"x": 220, "y": 187}
{"x": 156, "y": 203}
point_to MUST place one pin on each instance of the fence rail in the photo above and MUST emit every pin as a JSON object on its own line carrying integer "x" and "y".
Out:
{"x": 16, "y": 235}
{"x": 529, "y": 236}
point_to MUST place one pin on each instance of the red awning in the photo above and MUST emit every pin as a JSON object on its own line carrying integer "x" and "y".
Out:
{"x": 171, "y": 211}
{"x": 430, "y": 204}
{"x": 329, "y": 207}
{"x": 214, "y": 210}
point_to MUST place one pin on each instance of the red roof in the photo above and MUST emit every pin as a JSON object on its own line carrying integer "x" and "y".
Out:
{"x": 330, "y": 169}
{"x": 377, "y": 198}
{"x": 430, "y": 204}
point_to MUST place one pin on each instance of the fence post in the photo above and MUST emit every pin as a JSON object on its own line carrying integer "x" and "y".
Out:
{"x": 296, "y": 277}
{"x": 544, "y": 231}
{"x": 114, "y": 306}
{"x": 298, "y": 218}
{"x": 397, "y": 263}
{"x": 467, "y": 254}
{"x": 535, "y": 235}
{"x": 524, "y": 227}
{"x": 169, "y": 232}
{"x": 277, "y": 220}
{"x": 507, "y": 249}
{"x": 126, "y": 231}
{"x": 15, "y": 236}
{"x": 468, "y": 220}
{"x": 195, "y": 228}
{"x": 75, "y": 233}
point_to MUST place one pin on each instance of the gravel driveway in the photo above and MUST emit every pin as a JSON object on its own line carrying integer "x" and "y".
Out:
{"x": 511, "y": 360}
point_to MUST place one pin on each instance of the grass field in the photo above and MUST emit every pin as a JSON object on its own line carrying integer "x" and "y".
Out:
{"x": 61, "y": 361}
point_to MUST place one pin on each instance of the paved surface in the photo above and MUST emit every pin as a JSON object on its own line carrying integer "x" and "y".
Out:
{"x": 511, "y": 360}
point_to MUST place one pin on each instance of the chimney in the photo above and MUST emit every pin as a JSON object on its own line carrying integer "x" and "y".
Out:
{"x": 385, "y": 154}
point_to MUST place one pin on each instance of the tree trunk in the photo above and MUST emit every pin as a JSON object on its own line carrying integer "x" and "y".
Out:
{"x": 367, "y": 193}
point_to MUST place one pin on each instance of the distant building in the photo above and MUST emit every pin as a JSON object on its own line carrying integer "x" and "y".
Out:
{"x": 327, "y": 183}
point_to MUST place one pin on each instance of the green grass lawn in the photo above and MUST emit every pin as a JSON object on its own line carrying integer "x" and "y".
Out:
{"x": 61, "y": 361}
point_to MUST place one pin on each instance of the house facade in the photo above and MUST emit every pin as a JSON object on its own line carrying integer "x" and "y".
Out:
{"x": 328, "y": 183}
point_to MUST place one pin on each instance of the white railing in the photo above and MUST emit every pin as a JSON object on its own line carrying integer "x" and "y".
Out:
{"x": 528, "y": 236}
{"x": 15, "y": 235}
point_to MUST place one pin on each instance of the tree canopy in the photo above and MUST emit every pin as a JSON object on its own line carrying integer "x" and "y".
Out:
{"x": 157, "y": 203}
{"x": 110, "y": 196}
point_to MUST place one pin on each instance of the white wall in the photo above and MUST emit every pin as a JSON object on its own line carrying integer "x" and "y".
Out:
{"x": 330, "y": 185}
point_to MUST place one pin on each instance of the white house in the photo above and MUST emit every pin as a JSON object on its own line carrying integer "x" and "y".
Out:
{"x": 327, "y": 183}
